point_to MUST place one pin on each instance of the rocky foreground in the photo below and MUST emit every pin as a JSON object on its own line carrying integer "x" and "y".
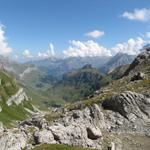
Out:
{"x": 100, "y": 126}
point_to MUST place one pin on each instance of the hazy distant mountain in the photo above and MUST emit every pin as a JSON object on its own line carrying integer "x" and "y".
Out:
{"x": 26, "y": 74}
{"x": 58, "y": 67}
{"x": 116, "y": 61}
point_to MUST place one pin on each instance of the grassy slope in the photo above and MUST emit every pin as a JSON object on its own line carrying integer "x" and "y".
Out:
{"x": 11, "y": 113}
{"x": 118, "y": 72}
{"x": 43, "y": 99}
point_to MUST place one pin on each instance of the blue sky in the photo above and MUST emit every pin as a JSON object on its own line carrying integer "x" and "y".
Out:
{"x": 30, "y": 25}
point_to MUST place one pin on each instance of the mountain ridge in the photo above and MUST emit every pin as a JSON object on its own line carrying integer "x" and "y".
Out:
{"x": 116, "y": 61}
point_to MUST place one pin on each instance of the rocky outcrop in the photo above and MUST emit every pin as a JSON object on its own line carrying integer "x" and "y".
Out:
{"x": 44, "y": 136}
{"x": 131, "y": 105}
{"x": 136, "y": 65}
{"x": 77, "y": 128}
{"x": 18, "y": 98}
{"x": 138, "y": 76}
{"x": 12, "y": 140}
{"x": 128, "y": 112}
{"x": 37, "y": 120}
{"x": 76, "y": 135}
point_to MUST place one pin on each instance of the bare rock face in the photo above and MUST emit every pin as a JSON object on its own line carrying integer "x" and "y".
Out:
{"x": 131, "y": 105}
{"x": 13, "y": 140}
{"x": 97, "y": 114}
{"x": 37, "y": 120}
{"x": 18, "y": 98}
{"x": 44, "y": 136}
{"x": 141, "y": 59}
{"x": 77, "y": 128}
{"x": 76, "y": 135}
{"x": 127, "y": 112}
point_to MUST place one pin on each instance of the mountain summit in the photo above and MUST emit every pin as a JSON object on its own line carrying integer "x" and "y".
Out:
{"x": 116, "y": 61}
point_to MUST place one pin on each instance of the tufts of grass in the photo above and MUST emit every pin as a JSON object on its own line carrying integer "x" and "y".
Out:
{"x": 58, "y": 147}
{"x": 52, "y": 116}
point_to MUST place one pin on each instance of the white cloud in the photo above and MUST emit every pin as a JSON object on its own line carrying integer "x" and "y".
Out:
{"x": 95, "y": 34}
{"x": 148, "y": 34}
{"x": 26, "y": 53}
{"x": 84, "y": 49}
{"x": 4, "y": 48}
{"x": 138, "y": 14}
{"x": 91, "y": 48}
{"x": 49, "y": 53}
{"x": 131, "y": 47}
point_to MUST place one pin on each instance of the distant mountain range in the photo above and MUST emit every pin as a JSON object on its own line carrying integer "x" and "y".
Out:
{"x": 57, "y": 67}
{"x": 118, "y": 60}
{"x": 42, "y": 74}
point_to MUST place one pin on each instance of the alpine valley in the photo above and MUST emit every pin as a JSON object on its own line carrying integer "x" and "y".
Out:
{"x": 76, "y": 103}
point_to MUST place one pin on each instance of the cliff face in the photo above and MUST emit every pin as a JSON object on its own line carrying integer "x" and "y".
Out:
{"x": 131, "y": 105}
{"x": 18, "y": 98}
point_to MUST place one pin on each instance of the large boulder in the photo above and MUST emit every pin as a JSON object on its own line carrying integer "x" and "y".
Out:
{"x": 44, "y": 136}
{"x": 94, "y": 133}
{"x": 129, "y": 104}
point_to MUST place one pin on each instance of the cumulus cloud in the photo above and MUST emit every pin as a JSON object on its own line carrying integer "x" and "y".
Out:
{"x": 131, "y": 47}
{"x": 84, "y": 49}
{"x": 4, "y": 48}
{"x": 26, "y": 53}
{"x": 95, "y": 34}
{"x": 91, "y": 48}
{"x": 138, "y": 14}
{"x": 49, "y": 53}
